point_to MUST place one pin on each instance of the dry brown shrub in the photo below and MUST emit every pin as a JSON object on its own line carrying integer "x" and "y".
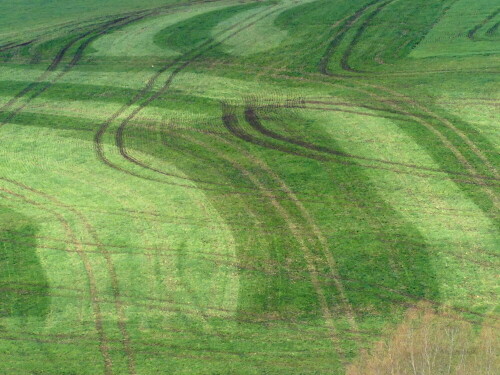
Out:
{"x": 426, "y": 343}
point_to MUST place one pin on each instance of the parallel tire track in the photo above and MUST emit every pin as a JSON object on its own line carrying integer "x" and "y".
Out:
{"x": 98, "y": 318}
{"x": 98, "y": 138}
{"x": 12, "y": 45}
{"x": 311, "y": 268}
{"x": 344, "y": 61}
{"x": 109, "y": 263}
{"x": 339, "y": 37}
{"x": 472, "y": 32}
{"x": 236, "y": 130}
{"x": 38, "y": 87}
{"x": 184, "y": 61}
{"x": 256, "y": 124}
{"x": 91, "y": 36}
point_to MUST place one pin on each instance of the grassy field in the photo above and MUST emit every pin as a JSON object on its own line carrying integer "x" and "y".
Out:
{"x": 244, "y": 186}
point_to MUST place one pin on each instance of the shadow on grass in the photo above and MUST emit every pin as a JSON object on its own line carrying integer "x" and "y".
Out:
{"x": 23, "y": 283}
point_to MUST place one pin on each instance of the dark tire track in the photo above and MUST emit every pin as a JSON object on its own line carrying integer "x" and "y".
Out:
{"x": 198, "y": 52}
{"x": 13, "y": 45}
{"x": 339, "y": 37}
{"x": 142, "y": 94}
{"x": 231, "y": 122}
{"x": 252, "y": 118}
{"x": 472, "y": 32}
{"x": 92, "y": 35}
{"x": 344, "y": 61}
{"x": 432, "y": 128}
{"x": 493, "y": 29}
{"x": 39, "y": 87}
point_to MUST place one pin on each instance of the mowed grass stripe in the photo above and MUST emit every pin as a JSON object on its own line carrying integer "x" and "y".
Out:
{"x": 220, "y": 249}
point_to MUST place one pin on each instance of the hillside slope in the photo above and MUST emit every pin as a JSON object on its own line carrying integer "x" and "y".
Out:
{"x": 243, "y": 186}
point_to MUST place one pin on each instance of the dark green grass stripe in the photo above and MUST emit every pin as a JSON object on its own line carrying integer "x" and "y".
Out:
{"x": 20, "y": 264}
{"x": 183, "y": 35}
{"x": 111, "y": 94}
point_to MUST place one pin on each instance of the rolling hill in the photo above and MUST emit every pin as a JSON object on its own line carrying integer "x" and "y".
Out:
{"x": 249, "y": 187}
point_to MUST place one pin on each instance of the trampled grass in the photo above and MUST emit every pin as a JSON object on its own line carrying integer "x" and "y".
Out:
{"x": 242, "y": 187}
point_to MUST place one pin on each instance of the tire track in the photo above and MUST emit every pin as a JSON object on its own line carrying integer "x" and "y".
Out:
{"x": 92, "y": 36}
{"x": 339, "y": 37}
{"x": 147, "y": 215}
{"x": 127, "y": 343}
{"x": 110, "y": 266}
{"x": 403, "y": 99}
{"x": 422, "y": 121}
{"x": 344, "y": 61}
{"x": 396, "y": 297}
{"x": 229, "y": 119}
{"x": 485, "y": 187}
{"x": 471, "y": 34}
{"x": 38, "y": 87}
{"x": 444, "y": 140}
{"x": 255, "y": 123}
{"x": 184, "y": 61}
{"x": 380, "y": 290}
{"x": 169, "y": 251}
{"x": 493, "y": 29}
{"x": 236, "y": 130}
{"x": 252, "y": 119}
{"x": 13, "y": 45}
{"x": 98, "y": 318}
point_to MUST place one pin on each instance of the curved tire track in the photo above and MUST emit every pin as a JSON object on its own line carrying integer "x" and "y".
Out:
{"x": 98, "y": 318}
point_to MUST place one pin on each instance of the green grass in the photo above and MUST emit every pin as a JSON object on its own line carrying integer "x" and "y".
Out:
{"x": 150, "y": 225}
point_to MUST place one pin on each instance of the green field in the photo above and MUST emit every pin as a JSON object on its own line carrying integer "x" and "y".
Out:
{"x": 247, "y": 186}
